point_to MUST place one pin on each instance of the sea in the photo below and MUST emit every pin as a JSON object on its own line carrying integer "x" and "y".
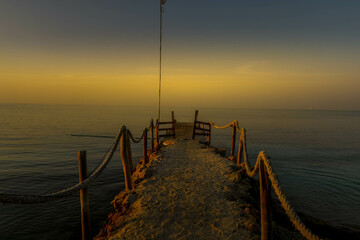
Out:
{"x": 315, "y": 153}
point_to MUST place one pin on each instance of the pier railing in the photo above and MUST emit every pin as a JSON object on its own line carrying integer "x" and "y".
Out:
{"x": 169, "y": 130}
{"x": 201, "y": 128}
{"x": 267, "y": 178}
{"x": 122, "y": 139}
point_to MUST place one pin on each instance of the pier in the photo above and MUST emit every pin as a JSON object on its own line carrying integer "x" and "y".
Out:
{"x": 185, "y": 198}
{"x": 184, "y": 193}
{"x": 182, "y": 188}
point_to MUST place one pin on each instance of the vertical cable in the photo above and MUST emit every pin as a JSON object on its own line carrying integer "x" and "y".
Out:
{"x": 161, "y": 8}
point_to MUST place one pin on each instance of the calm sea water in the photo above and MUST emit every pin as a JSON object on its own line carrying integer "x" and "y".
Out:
{"x": 315, "y": 153}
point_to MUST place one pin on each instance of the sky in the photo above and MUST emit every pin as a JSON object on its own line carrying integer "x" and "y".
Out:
{"x": 232, "y": 54}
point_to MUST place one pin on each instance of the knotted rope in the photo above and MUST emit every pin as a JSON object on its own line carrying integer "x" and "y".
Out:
{"x": 294, "y": 218}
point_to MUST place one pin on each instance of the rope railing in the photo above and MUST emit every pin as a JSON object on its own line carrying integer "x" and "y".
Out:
{"x": 299, "y": 225}
{"x": 42, "y": 198}
{"x": 265, "y": 170}
{"x": 122, "y": 139}
{"x": 34, "y": 199}
{"x": 223, "y": 127}
{"x": 262, "y": 165}
{"x": 138, "y": 139}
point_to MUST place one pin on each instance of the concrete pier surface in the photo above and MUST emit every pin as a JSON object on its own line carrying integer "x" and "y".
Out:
{"x": 184, "y": 130}
{"x": 185, "y": 198}
{"x": 186, "y": 191}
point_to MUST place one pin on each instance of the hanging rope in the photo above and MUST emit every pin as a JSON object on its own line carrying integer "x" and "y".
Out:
{"x": 252, "y": 171}
{"x": 139, "y": 138}
{"x": 294, "y": 218}
{"x": 33, "y": 199}
{"x": 42, "y": 198}
{"x": 223, "y": 127}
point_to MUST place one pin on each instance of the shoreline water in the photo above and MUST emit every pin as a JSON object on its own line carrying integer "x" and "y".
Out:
{"x": 40, "y": 148}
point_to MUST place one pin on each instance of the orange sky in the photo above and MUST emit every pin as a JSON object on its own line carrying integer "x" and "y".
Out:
{"x": 191, "y": 80}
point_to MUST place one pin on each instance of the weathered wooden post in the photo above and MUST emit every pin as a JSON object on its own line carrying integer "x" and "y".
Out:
{"x": 145, "y": 146}
{"x": 84, "y": 201}
{"x": 152, "y": 135}
{"x": 209, "y": 137}
{"x": 173, "y": 123}
{"x": 233, "y": 139}
{"x": 195, "y": 120}
{"x": 157, "y": 134}
{"x": 265, "y": 208}
{"x": 241, "y": 146}
{"x": 125, "y": 160}
{"x": 128, "y": 152}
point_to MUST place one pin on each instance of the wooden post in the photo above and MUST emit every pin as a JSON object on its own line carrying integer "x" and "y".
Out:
{"x": 196, "y": 115}
{"x": 157, "y": 134}
{"x": 240, "y": 152}
{"x": 152, "y": 135}
{"x": 84, "y": 201}
{"x": 129, "y": 153}
{"x": 173, "y": 123}
{"x": 241, "y": 146}
{"x": 125, "y": 161}
{"x": 233, "y": 140}
{"x": 209, "y": 137}
{"x": 265, "y": 211}
{"x": 145, "y": 146}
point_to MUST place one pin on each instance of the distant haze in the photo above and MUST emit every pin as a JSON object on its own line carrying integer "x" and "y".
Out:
{"x": 246, "y": 54}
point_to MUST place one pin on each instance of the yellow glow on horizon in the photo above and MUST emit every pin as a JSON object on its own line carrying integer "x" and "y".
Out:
{"x": 118, "y": 80}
